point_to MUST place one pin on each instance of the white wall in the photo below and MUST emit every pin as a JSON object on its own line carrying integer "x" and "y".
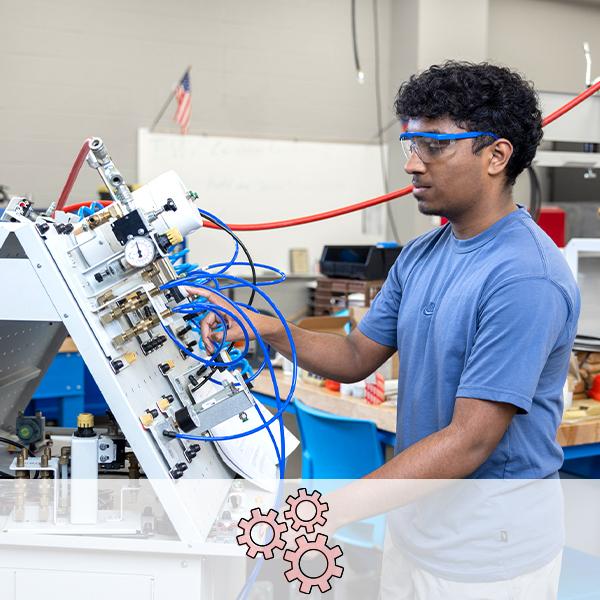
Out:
{"x": 540, "y": 38}
{"x": 544, "y": 40}
{"x": 265, "y": 68}
{"x": 261, "y": 68}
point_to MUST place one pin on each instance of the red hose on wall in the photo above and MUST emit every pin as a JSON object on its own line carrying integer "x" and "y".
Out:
{"x": 319, "y": 216}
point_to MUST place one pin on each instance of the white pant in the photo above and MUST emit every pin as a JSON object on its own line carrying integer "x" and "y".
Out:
{"x": 400, "y": 580}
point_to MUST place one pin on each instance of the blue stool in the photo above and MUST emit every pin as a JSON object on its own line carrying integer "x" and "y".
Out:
{"x": 335, "y": 447}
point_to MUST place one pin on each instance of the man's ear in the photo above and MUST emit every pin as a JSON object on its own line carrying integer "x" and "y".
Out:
{"x": 499, "y": 152}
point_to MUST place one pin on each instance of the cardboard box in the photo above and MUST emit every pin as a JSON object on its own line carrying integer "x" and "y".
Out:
{"x": 335, "y": 325}
{"x": 391, "y": 367}
{"x": 356, "y": 314}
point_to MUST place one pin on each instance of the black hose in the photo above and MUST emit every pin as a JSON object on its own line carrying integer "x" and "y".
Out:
{"x": 16, "y": 444}
{"x": 252, "y": 268}
{"x": 535, "y": 193}
{"x": 354, "y": 40}
{"x": 242, "y": 246}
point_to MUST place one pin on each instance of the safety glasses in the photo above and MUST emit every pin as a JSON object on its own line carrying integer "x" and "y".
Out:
{"x": 431, "y": 146}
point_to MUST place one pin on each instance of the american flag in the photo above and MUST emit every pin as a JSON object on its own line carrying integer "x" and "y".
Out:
{"x": 183, "y": 95}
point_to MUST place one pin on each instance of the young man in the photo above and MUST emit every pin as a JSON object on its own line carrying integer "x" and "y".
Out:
{"x": 483, "y": 311}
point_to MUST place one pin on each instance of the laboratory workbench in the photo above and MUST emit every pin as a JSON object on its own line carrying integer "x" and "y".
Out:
{"x": 579, "y": 440}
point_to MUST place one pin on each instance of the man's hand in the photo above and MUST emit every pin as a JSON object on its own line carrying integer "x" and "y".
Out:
{"x": 343, "y": 358}
{"x": 212, "y": 321}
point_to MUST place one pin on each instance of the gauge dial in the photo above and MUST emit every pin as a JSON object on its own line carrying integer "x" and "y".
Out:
{"x": 139, "y": 251}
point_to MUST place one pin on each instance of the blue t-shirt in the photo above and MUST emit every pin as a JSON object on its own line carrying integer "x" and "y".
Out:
{"x": 492, "y": 317}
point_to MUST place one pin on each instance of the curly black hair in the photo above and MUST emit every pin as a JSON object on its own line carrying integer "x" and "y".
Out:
{"x": 478, "y": 97}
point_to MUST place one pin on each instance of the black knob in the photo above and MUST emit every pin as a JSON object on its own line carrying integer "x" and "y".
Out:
{"x": 170, "y": 205}
{"x": 117, "y": 365}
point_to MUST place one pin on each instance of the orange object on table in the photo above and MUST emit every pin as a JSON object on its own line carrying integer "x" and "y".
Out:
{"x": 332, "y": 385}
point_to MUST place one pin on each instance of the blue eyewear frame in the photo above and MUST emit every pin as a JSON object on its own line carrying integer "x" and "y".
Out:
{"x": 409, "y": 135}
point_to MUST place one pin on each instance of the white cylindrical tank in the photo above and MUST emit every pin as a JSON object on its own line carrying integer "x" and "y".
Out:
{"x": 155, "y": 194}
{"x": 84, "y": 471}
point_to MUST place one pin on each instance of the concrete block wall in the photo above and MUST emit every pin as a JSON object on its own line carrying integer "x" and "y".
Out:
{"x": 265, "y": 68}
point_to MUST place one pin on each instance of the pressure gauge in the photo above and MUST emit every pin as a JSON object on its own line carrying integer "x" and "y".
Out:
{"x": 139, "y": 251}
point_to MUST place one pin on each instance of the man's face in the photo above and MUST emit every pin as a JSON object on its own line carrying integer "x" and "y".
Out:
{"x": 448, "y": 178}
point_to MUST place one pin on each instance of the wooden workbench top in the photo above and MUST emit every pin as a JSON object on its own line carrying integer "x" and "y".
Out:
{"x": 569, "y": 434}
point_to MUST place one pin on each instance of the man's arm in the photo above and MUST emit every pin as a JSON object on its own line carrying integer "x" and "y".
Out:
{"x": 457, "y": 450}
{"x": 452, "y": 453}
{"x": 342, "y": 358}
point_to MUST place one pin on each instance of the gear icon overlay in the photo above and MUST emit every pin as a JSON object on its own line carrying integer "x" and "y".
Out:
{"x": 332, "y": 569}
{"x": 276, "y": 540}
{"x": 291, "y": 514}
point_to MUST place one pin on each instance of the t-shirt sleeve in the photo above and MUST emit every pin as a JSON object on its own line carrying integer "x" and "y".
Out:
{"x": 381, "y": 321}
{"x": 518, "y": 326}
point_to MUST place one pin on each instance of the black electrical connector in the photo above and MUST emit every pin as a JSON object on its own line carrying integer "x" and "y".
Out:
{"x": 183, "y": 330}
{"x": 164, "y": 368}
{"x": 175, "y": 294}
{"x": 117, "y": 365}
{"x": 154, "y": 344}
{"x": 43, "y": 228}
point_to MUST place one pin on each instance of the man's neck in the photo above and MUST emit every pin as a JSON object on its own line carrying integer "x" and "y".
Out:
{"x": 471, "y": 224}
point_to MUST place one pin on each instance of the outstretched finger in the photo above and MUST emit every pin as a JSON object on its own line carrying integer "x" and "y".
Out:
{"x": 190, "y": 290}
{"x": 206, "y": 328}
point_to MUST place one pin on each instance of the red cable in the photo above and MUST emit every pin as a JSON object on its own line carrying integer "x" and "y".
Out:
{"x": 78, "y": 205}
{"x": 345, "y": 209}
{"x": 73, "y": 175}
{"x": 559, "y": 112}
{"x": 319, "y": 216}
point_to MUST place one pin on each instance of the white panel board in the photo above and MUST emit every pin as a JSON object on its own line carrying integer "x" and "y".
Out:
{"x": 251, "y": 180}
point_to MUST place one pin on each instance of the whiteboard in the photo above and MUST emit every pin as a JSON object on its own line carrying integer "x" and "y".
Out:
{"x": 244, "y": 180}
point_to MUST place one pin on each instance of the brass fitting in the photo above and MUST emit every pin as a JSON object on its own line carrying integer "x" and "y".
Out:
{"x": 160, "y": 272}
{"x": 146, "y": 420}
{"x": 44, "y": 462}
{"x": 100, "y": 218}
{"x": 85, "y": 420}
{"x": 132, "y": 302}
{"x": 21, "y": 458}
{"x": 164, "y": 403}
{"x": 130, "y": 357}
{"x": 65, "y": 455}
{"x": 150, "y": 271}
{"x": 140, "y": 327}
{"x": 106, "y": 297}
